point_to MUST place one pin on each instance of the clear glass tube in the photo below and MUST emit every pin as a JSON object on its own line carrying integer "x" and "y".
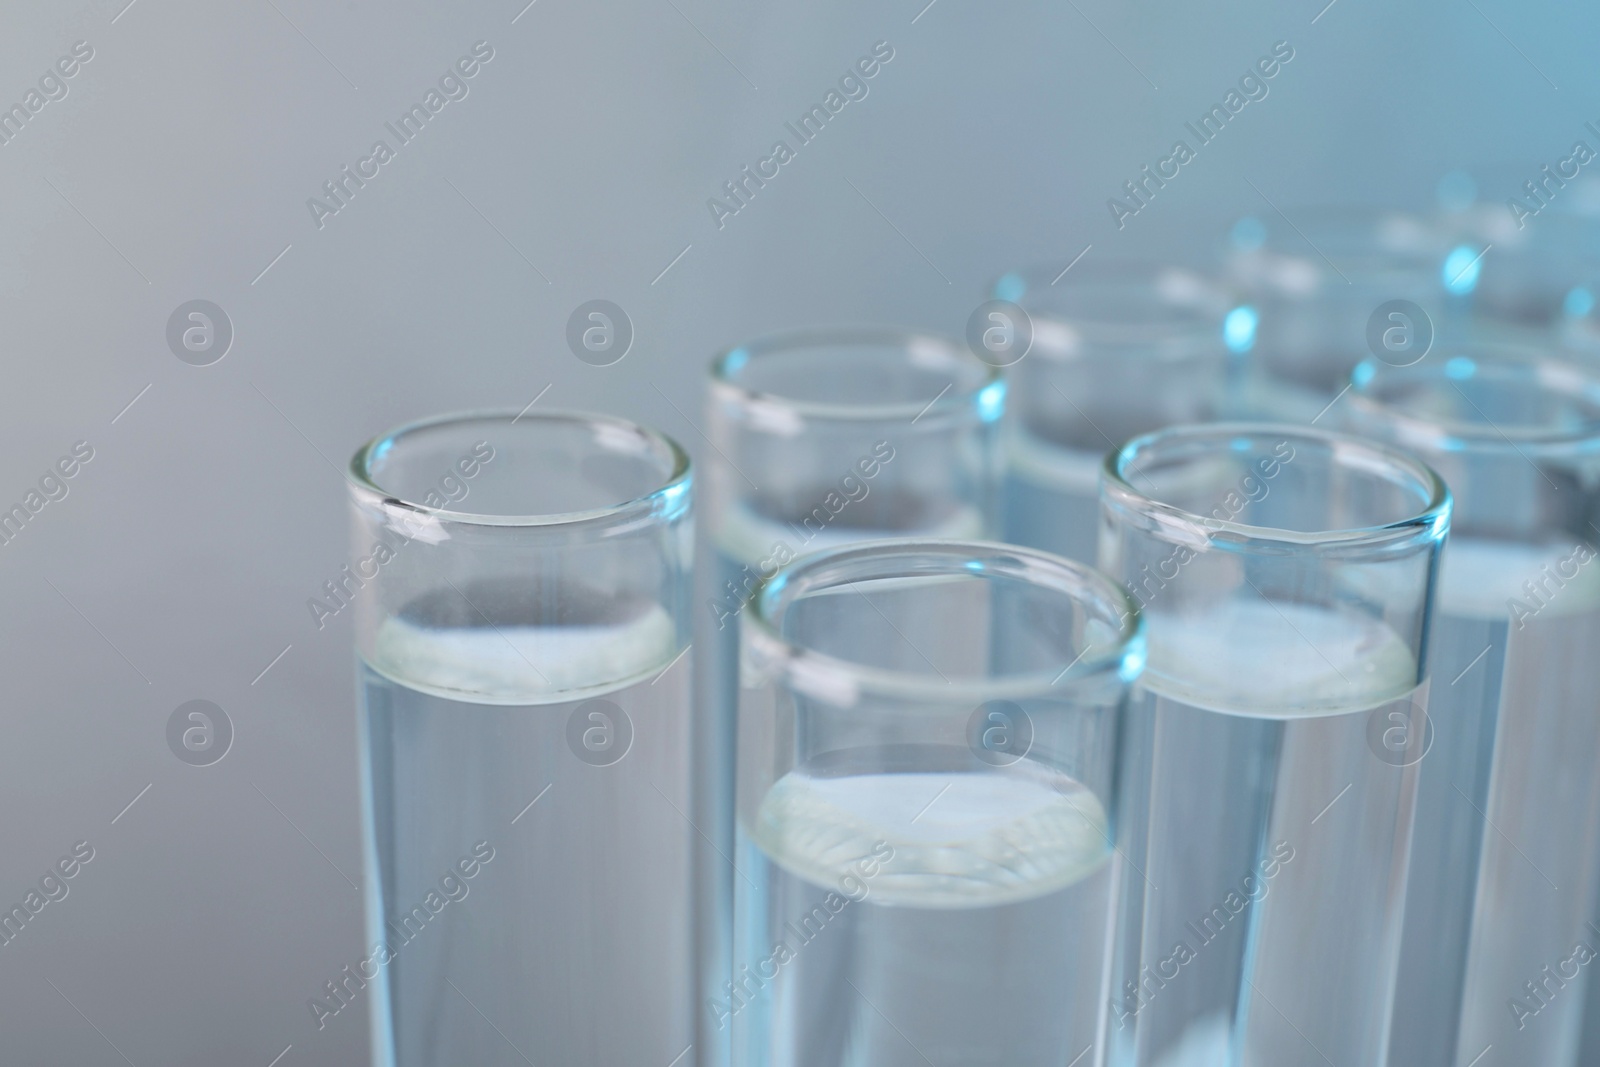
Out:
{"x": 817, "y": 439}
{"x": 1119, "y": 349}
{"x": 1576, "y": 325}
{"x": 1508, "y": 831}
{"x": 927, "y": 743}
{"x": 1538, "y": 235}
{"x": 521, "y": 589}
{"x": 1315, "y": 282}
{"x": 1286, "y": 580}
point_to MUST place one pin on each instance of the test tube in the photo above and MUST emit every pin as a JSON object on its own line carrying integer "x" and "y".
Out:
{"x": 1543, "y": 237}
{"x": 1118, "y": 349}
{"x": 1286, "y": 579}
{"x": 927, "y": 742}
{"x": 1498, "y": 936}
{"x": 817, "y": 438}
{"x": 524, "y": 722}
{"x": 1316, "y": 276}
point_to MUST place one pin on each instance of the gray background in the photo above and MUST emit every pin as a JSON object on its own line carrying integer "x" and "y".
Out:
{"x": 178, "y": 167}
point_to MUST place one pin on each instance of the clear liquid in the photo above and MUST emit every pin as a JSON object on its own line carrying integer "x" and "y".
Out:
{"x": 1052, "y": 498}
{"x": 750, "y": 547}
{"x": 931, "y": 913}
{"x": 574, "y": 940}
{"x": 1265, "y": 843}
{"x": 747, "y": 548}
{"x": 1516, "y": 740}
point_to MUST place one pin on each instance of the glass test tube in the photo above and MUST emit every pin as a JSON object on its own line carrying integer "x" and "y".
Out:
{"x": 818, "y": 438}
{"x": 927, "y": 741}
{"x": 1543, "y": 236}
{"x": 1286, "y": 580}
{"x": 1576, "y": 327}
{"x": 524, "y": 739}
{"x": 1314, "y": 284}
{"x": 1119, "y": 349}
{"x": 1508, "y": 824}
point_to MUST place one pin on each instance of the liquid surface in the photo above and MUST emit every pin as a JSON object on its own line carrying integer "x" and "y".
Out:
{"x": 1320, "y": 661}
{"x": 1266, "y": 843}
{"x": 894, "y": 919}
{"x": 482, "y": 652}
{"x": 1509, "y": 810}
{"x": 1490, "y": 579}
{"x": 581, "y": 919}
{"x": 745, "y": 548}
{"x": 959, "y": 840}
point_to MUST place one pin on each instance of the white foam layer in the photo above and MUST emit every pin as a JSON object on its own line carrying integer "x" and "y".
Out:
{"x": 1481, "y": 579}
{"x": 1271, "y": 660}
{"x": 524, "y": 664}
{"x": 961, "y": 839}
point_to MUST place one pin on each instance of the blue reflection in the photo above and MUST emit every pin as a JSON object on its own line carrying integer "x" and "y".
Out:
{"x": 1133, "y": 663}
{"x": 1461, "y": 267}
{"x": 1578, "y": 303}
{"x": 1010, "y": 287}
{"x": 1239, "y": 328}
{"x": 1248, "y": 234}
{"x": 1460, "y": 368}
{"x": 675, "y": 498}
{"x": 991, "y": 401}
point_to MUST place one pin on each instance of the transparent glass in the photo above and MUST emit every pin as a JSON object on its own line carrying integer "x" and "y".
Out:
{"x": 1315, "y": 281}
{"x": 817, "y": 439}
{"x": 1542, "y": 233}
{"x": 1576, "y": 325}
{"x": 1286, "y": 579}
{"x": 521, "y": 594}
{"x": 1119, "y": 349}
{"x": 927, "y": 764}
{"x": 1508, "y": 831}
{"x": 1543, "y": 282}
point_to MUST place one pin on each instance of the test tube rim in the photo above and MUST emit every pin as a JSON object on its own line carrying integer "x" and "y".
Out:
{"x": 1429, "y": 523}
{"x": 1195, "y": 333}
{"x": 727, "y": 363}
{"x": 667, "y": 500}
{"x": 1559, "y": 376}
{"x": 1123, "y": 659}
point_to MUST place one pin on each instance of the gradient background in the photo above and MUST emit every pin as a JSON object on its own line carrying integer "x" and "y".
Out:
{"x": 578, "y": 167}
